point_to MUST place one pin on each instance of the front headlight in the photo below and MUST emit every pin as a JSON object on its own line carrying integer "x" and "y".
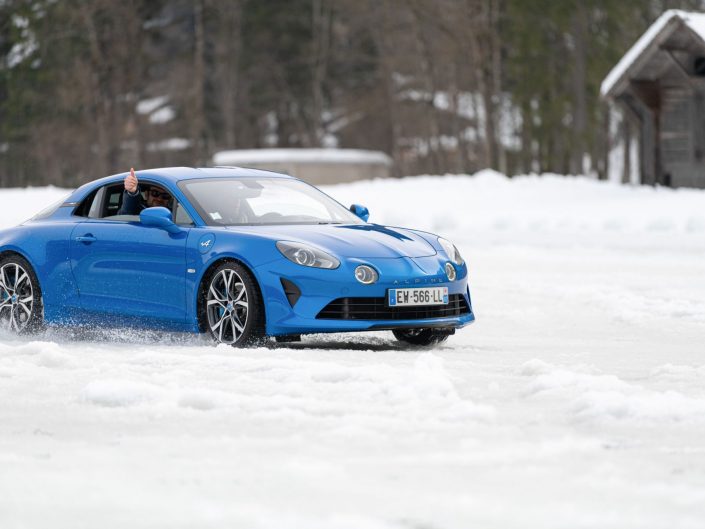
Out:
{"x": 451, "y": 251}
{"x": 305, "y": 255}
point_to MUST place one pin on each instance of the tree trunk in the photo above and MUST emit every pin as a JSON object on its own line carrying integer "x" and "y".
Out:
{"x": 321, "y": 29}
{"x": 494, "y": 9}
{"x": 198, "y": 120}
{"x": 227, "y": 46}
{"x": 527, "y": 155}
{"x": 579, "y": 88}
{"x": 428, "y": 81}
{"x": 392, "y": 123}
{"x": 100, "y": 94}
{"x": 490, "y": 86}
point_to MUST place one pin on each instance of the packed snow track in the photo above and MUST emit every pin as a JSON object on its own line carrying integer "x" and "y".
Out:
{"x": 577, "y": 399}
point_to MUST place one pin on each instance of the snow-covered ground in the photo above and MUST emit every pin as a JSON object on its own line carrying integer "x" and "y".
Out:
{"x": 576, "y": 400}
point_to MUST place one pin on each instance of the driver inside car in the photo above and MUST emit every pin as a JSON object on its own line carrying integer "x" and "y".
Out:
{"x": 133, "y": 202}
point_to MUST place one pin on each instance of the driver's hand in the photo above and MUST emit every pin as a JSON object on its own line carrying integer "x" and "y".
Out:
{"x": 131, "y": 182}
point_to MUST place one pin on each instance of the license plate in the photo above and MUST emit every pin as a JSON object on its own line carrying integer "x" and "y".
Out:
{"x": 404, "y": 297}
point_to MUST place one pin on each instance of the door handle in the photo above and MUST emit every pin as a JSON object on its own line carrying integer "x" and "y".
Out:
{"x": 86, "y": 239}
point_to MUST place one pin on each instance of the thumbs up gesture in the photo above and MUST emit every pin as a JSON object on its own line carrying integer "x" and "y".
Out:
{"x": 131, "y": 182}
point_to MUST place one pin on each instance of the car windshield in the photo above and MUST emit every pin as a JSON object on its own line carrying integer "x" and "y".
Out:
{"x": 257, "y": 201}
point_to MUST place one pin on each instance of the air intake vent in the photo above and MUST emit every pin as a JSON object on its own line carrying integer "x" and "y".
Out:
{"x": 293, "y": 293}
{"x": 376, "y": 309}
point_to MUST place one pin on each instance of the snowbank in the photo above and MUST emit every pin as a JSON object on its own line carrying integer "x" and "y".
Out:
{"x": 529, "y": 208}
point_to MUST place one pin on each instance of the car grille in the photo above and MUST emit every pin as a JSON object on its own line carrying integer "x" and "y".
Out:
{"x": 377, "y": 309}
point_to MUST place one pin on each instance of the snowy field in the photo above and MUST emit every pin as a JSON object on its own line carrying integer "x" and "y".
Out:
{"x": 576, "y": 400}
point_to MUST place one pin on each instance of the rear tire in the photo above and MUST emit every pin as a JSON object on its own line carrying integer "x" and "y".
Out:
{"x": 232, "y": 311}
{"x": 420, "y": 337}
{"x": 21, "y": 308}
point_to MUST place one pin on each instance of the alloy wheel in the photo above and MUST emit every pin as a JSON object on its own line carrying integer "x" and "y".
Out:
{"x": 227, "y": 306}
{"x": 16, "y": 297}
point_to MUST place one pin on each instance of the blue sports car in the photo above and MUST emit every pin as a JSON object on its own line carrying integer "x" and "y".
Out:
{"x": 237, "y": 253}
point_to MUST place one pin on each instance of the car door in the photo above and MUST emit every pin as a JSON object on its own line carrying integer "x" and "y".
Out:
{"x": 124, "y": 268}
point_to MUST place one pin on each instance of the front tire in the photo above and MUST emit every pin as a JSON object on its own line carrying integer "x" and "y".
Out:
{"x": 21, "y": 309}
{"x": 420, "y": 337}
{"x": 232, "y": 307}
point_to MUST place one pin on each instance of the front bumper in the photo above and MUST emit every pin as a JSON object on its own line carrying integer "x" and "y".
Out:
{"x": 320, "y": 287}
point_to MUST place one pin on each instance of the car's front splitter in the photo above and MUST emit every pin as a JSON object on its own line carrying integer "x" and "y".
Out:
{"x": 331, "y": 326}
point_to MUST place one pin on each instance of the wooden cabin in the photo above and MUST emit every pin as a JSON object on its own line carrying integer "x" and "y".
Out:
{"x": 659, "y": 89}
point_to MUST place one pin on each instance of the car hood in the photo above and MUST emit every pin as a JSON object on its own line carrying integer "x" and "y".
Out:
{"x": 349, "y": 240}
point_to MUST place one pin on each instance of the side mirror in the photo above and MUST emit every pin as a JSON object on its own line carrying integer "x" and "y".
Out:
{"x": 159, "y": 217}
{"x": 360, "y": 211}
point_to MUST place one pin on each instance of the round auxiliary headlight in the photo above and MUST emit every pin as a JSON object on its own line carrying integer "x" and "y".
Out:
{"x": 450, "y": 272}
{"x": 366, "y": 274}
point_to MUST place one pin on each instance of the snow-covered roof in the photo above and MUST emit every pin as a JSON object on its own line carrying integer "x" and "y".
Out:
{"x": 659, "y": 30}
{"x": 313, "y": 156}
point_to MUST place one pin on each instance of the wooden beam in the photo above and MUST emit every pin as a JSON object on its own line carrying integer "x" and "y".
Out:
{"x": 647, "y": 92}
{"x": 631, "y": 108}
{"x": 686, "y": 75}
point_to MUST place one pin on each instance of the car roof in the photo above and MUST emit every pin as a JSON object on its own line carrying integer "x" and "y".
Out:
{"x": 174, "y": 175}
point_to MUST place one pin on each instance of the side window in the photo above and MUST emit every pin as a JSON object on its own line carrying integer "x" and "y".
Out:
{"x": 97, "y": 207}
{"x": 101, "y": 203}
{"x": 105, "y": 202}
{"x": 181, "y": 216}
{"x": 113, "y": 200}
{"x": 84, "y": 208}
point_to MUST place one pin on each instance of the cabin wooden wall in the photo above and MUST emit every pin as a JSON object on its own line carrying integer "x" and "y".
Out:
{"x": 670, "y": 119}
{"x": 665, "y": 101}
{"x": 676, "y": 137}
